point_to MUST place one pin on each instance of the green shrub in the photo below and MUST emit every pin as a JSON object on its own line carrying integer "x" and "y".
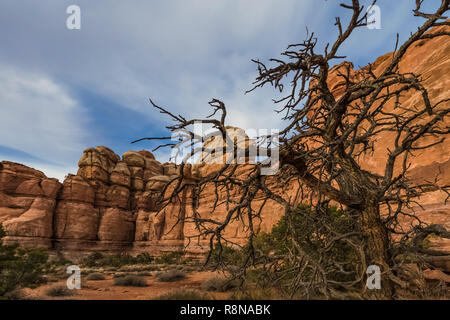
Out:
{"x": 115, "y": 260}
{"x": 314, "y": 231}
{"x": 96, "y": 276}
{"x": 174, "y": 257}
{"x": 58, "y": 291}
{"x": 60, "y": 260}
{"x": 121, "y": 275}
{"x": 118, "y": 260}
{"x": 170, "y": 276}
{"x": 53, "y": 278}
{"x": 228, "y": 255}
{"x": 20, "y": 267}
{"x": 182, "y": 294}
{"x": 92, "y": 260}
{"x": 143, "y": 258}
{"x": 130, "y": 281}
{"x": 304, "y": 228}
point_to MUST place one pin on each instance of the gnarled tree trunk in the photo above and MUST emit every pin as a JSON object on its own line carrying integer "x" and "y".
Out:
{"x": 377, "y": 244}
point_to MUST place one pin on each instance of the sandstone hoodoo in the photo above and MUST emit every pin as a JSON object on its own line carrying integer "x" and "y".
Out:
{"x": 111, "y": 203}
{"x": 96, "y": 209}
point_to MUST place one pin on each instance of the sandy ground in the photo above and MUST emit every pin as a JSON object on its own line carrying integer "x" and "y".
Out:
{"x": 106, "y": 290}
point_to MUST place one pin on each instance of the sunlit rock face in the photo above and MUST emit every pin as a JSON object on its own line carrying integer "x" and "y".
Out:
{"x": 111, "y": 204}
{"x": 95, "y": 209}
{"x": 429, "y": 59}
{"x": 230, "y": 149}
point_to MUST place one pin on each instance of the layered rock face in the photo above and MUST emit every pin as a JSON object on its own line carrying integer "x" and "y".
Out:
{"x": 103, "y": 207}
{"x": 27, "y": 203}
{"x": 111, "y": 205}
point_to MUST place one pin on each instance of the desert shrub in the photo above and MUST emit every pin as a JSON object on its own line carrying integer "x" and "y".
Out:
{"x": 88, "y": 271}
{"x": 60, "y": 260}
{"x": 174, "y": 257}
{"x": 183, "y": 294}
{"x": 115, "y": 260}
{"x": 139, "y": 267}
{"x": 92, "y": 260}
{"x": 58, "y": 291}
{"x": 307, "y": 231}
{"x": 121, "y": 275}
{"x": 219, "y": 284}
{"x": 96, "y": 276}
{"x": 17, "y": 294}
{"x": 109, "y": 268}
{"x": 313, "y": 232}
{"x": 227, "y": 255}
{"x": 130, "y": 281}
{"x": 20, "y": 267}
{"x": 20, "y": 294}
{"x": 170, "y": 276}
{"x": 143, "y": 258}
{"x": 131, "y": 273}
{"x": 48, "y": 279}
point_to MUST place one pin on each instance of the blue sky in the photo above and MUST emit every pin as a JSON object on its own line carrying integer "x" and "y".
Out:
{"x": 62, "y": 90}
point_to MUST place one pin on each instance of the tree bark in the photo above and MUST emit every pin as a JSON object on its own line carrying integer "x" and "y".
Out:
{"x": 377, "y": 243}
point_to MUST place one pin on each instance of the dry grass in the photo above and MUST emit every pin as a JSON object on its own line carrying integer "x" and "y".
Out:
{"x": 170, "y": 276}
{"x": 59, "y": 291}
{"x": 96, "y": 276}
{"x": 130, "y": 281}
{"x": 219, "y": 284}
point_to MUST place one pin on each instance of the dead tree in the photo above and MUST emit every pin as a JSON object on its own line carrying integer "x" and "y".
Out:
{"x": 327, "y": 135}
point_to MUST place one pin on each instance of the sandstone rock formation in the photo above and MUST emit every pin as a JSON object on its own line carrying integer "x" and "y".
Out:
{"x": 27, "y": 203}
{"x": 94, "y": 209}
{"x": 215, "y": 148}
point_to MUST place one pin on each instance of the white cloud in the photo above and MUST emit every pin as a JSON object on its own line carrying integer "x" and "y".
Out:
{"x": 181, "y": 53}
{"x": 39, "y": 117}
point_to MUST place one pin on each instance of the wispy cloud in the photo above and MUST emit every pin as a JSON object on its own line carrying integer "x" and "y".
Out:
{"x": 39, "y": 120}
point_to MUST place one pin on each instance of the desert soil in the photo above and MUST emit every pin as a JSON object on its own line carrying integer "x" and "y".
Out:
{"x": 106, "y": 290}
